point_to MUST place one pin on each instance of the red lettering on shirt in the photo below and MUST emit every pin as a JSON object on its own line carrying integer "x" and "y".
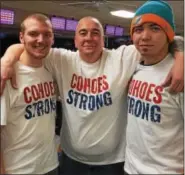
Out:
{"x": 146, "y": 91}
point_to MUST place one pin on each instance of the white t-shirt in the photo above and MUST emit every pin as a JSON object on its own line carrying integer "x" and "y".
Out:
{"x": 28, "y": 115}
{"x": 94, "y": 118}
{"x": 155, "y": 130}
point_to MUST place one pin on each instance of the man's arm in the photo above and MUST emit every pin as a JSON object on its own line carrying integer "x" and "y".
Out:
{"x": 10, "y": 57}
{"x": 12, "y": 53}
{"x": 175, "y": 78}
{"x": 177, "y": 45}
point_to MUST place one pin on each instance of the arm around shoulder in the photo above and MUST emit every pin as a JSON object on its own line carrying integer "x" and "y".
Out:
{"x": 12, "y": 54}
{"x": 176, "y": 76}
{"x": 177, "y": 45}
{"x": 10, "y": 57}
{"x": 57, "y": 58}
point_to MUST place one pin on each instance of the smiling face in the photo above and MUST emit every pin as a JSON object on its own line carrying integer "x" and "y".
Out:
{"x": 37, "y": 37}
{"x": 89, "y": 39}
{"x": 150, "y": 40}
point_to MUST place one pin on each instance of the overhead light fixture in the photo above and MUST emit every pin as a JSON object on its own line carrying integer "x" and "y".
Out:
{"x": 123, "y": 14}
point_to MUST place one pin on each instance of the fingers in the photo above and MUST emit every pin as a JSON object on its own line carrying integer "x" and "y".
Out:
{"x": 173, "y": 88}
{"x": 3, "y": 82}
{"x": 176, "y": 86}
{"x": 13, "y": 81}
{"x": 181, "y": 88}
{"x": 167, "y": 81}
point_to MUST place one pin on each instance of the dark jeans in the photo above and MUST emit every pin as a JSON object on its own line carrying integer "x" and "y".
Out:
{"x": 53, "y": 172}
{"x": 72, "y": 167}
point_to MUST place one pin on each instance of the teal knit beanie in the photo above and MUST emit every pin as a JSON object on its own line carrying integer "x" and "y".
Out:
{"x": 156, "y": 11}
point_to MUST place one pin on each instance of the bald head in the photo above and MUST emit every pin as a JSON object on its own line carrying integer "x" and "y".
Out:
{"x": 89, "y": 39}
{"x": 90, "y": 19}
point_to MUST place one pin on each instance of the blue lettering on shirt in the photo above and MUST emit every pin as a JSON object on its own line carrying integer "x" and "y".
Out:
{"x": 144, "y": 110}
{"x": 40, "y": 108}
{"x": 89, "y": 102}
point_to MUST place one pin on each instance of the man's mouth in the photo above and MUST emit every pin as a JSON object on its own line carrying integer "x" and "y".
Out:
{"x": 145, "y": 45}
{"x": 89, "y": 46}
{"x": 41, "y": 48}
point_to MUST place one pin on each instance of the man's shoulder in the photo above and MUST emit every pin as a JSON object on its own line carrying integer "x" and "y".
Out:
{"x": 126, "y": 52}
{"x": 55, "y": 52}
{"x": 127, "y": 47}
{"x": 123, "y": 49}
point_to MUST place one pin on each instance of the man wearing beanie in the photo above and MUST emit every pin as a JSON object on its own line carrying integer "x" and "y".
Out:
{"x": 155, "y": 117}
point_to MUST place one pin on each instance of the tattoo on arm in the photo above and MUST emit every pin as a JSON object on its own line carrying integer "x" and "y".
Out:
{"x": 177, "y": 45}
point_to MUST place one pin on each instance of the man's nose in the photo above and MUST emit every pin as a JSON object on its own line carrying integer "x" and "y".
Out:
{"x": 88, "y": 36}
{"x": 146, "y": 34}
{"x": 40, "y": 38}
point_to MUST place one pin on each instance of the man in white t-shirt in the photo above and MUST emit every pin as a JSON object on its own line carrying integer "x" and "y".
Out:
{"x": 92, "y": 85}
{"x": 155, "y": 130}
{"x": 28, "y": 113}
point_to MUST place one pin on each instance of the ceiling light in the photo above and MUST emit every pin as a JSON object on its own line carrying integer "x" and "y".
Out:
{"x": 123, "y": 14}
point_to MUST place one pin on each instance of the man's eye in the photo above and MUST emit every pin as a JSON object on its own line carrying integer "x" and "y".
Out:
{"x": 82, "y": 33}
{"x": 156, "y": 28}
{"x": 33, "y": 34}
{"x": 95, "y": 33}
{"x": 47, "y": 35}
{"x": 137, "y": 30}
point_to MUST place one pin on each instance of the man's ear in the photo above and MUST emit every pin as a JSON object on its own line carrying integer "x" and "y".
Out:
{"x": 21, "y": 37}
{"x": 53, "y": 42}
{"x": 103, "y": 41}
{"x": 75, "y": 42}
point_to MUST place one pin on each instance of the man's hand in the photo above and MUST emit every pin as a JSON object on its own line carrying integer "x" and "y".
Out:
{"x": 7, "y": 72}
{"x": 175, "y": 79}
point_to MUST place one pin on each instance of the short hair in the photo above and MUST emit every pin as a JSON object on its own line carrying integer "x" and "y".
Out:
{"x": 38, "y": 16}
